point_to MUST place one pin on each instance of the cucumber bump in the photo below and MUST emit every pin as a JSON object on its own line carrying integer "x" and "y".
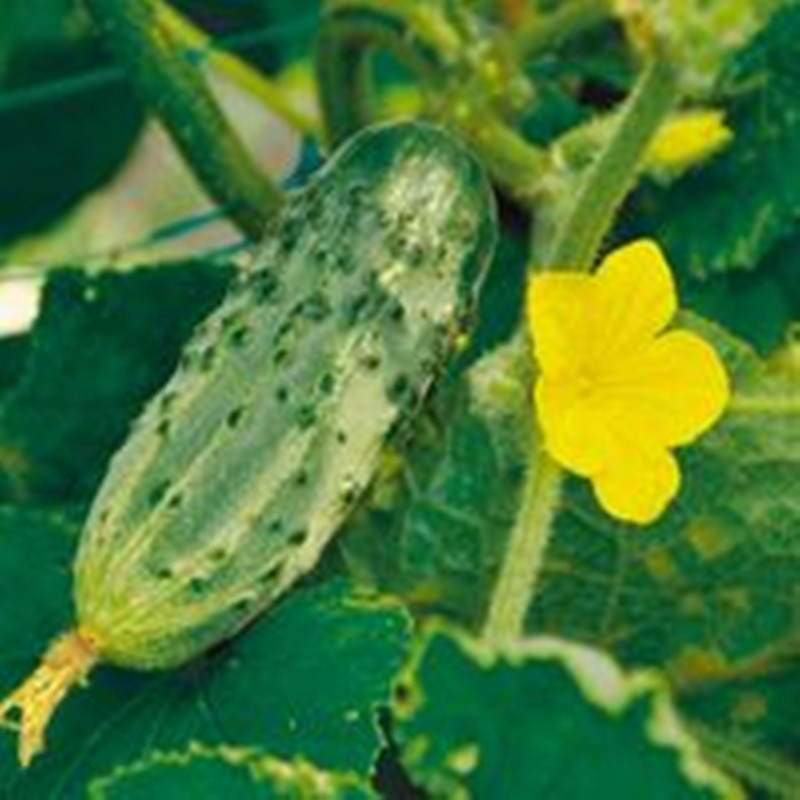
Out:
{"x": 245, "y": 464}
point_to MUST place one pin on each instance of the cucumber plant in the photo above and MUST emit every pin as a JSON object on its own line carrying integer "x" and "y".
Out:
{"x": 243, "y": 467}
{"x": 538, "y": 493}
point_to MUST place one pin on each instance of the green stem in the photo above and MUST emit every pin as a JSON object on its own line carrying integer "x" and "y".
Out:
{"x": 234, "y": 68}
{"x": 423, "y": 39}
{"x": 524, "y": 557}
{"x": 575, "y": 246}
{"x": 177, "y": 93}
{"x": 413, "y": 32}
{"x": 515, "y": 164}
{"x": 541, "y": 33}
{"x": 609, "y": 180}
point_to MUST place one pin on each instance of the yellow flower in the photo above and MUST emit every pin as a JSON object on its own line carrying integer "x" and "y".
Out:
{"x": 688, "y": 139}
{"x": 615, "y": 391}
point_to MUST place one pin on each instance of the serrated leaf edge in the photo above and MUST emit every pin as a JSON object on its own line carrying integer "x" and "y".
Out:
{"x": 262, "y": 768}
{"x": 601, "y": 681}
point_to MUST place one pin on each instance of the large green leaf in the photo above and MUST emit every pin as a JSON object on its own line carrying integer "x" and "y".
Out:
{"x": 748, "y": 723}
{"x": 208, "y": 774}
{"x": 709, "y": 593}
{"x": 57, "y": 144}
{"x": 303, "y": 681}
{"x": 435, "y": 525}
{"x": 544, "y": 719}
{"x": 756, "y": 306}
{"x": 68, "y": 118}
{"x": 731, "y": 212}
{"x": 31, "y": 22}
{"x": 13, "y": 352}
{"x": 102, "y": 345}
{"x": 713, "y": 583}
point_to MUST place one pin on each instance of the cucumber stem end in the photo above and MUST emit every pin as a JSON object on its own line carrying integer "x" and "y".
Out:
{"x": 29, "y": 709}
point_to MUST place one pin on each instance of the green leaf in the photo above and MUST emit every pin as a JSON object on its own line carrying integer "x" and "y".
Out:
{"x": 208, "y": 774}
{"x": 547, "y": 718}
{"x": 709, "y": 593}
{"x": 717, "y": 571}
{"x": 556, "y": 110}
{"x": 500, "y": 300}
{"x": 34, "y": 21}
{"x": 748, "y": 725}
{"x": 36, "y": 550}
{"x": 713, "y": 582}
{"x": 57, "y": 145}
{"x": 731, "y": 212}
{"x": 303, "y": 681}
{"x": 102, "y": 345}
{"x": 435, "y": 524}
{"x": 13, "y": 353}
{"x": 752, "y": 305}
{"x": 781, "y": 265}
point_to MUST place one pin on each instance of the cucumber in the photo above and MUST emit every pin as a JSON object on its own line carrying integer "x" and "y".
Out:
{"x": 243, "y": 467}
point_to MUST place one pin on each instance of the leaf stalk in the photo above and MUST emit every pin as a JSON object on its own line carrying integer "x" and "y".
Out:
{"x": 522, "y": 565}
{"x": 575, "y": 246}
{"x": 612, "y": 176}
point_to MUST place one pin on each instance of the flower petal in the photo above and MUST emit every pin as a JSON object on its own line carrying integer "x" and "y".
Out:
{"x": 634, "y": 299}
{"x": 671, "y": 391}
{"x": 633, "y": 475}
{"x": 577, "y": 433}
{"x": 638, "y": 485}
{"x": 687, "y": 139}
{"x": 557, "y": 309}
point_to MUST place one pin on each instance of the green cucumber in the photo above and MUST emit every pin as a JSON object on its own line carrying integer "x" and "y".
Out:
{"x": 246, "y": 463}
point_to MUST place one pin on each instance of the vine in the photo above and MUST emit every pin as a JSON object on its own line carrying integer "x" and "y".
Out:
{"x": 464, "y": 516}
{"x": 177, "y": 93}
{"x": 575, "y": 246}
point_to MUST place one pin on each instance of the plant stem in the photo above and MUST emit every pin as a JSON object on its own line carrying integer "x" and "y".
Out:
{"x": 236, "y": 69}
{"x": 514, "y": 163}
{"x": 576, "y": 243}
{"x": 613, "y": 174}
{"x": 422, "y": 38}
{"x": 539, "y": 33}
{"x": 177, "y": 93}
{"x": 523, "y": 560}
{"x": 416, "y": 34}
{"x": 423, "y": 22}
